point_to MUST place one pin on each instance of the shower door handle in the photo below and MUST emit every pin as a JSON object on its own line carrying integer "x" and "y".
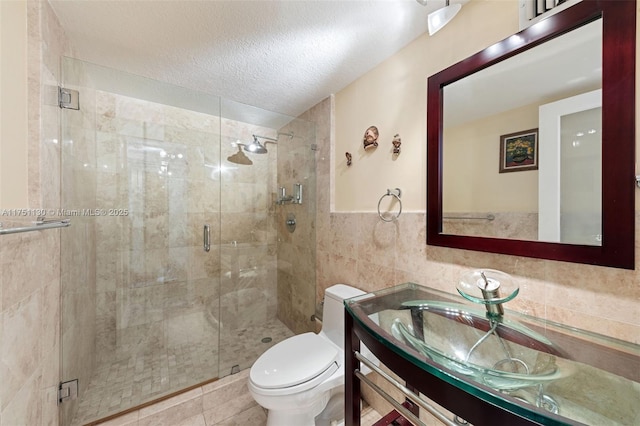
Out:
{"x": 206, "y": 237}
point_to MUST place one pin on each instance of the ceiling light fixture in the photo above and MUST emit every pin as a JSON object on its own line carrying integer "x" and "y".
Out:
{"x": 441, "y": 17}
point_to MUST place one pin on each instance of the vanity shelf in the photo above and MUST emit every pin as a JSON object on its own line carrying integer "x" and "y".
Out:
{"x": 557, "y": 375}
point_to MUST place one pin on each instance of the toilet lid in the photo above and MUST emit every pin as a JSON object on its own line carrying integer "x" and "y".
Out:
{"x": 293, "y": 361}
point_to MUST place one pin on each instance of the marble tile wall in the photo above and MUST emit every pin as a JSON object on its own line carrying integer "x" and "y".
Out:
{"x": 356, "y": 249}
{"x": 30, "y": 262}
{"x": 152, "y": 274}
{"x": 502, "y": 225}
{"x": 296, "y": 250}
{"x": 249, "y": 294}
{"x": 29, "y": 315}
{"x": 248, "y": 243}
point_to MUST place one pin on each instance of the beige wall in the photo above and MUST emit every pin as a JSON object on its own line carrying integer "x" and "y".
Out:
{"x": 392, "y": 97}
{"x": 471, "y": 166}
{"x": 13, "y": 104}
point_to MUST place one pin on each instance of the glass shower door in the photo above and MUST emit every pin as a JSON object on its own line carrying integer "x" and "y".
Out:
{"x": 140, "y": 295}
{"x": 146, "y": 310}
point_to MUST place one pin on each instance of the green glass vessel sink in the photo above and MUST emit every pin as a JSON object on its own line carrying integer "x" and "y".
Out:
{"x": 499, "y": 353}
{"x": 540, "y": 370}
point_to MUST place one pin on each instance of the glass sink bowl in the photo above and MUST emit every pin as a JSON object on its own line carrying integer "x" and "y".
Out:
{"x": 487, "y": 286}
{"x": 497, "y": 352}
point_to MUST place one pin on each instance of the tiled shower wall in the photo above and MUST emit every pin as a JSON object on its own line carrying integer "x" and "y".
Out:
{"x": 296, "y": 250}
{"x": 248, "y": 235}
{"x": 156, "y": 287}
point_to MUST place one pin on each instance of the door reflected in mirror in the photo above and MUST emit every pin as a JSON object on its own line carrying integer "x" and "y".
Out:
{"x": 544, "y": 89}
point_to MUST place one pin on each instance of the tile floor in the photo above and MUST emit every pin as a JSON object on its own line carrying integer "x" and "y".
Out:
{"x": 225, "y": 402}
{"x": 140, "y": 378}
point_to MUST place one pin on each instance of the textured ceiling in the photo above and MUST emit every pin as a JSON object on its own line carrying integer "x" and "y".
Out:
{"x": 283, "y": 56}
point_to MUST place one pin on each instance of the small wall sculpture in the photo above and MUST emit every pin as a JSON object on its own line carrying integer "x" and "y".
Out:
{"x": 370, "y": 140}
{"x": 349, "y": 158}
{"x": 397, "y": 141}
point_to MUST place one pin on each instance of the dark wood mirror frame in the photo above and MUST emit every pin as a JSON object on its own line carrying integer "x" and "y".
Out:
{"x": 618, "y": 137}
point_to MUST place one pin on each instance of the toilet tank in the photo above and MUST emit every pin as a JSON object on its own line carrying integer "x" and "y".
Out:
{"x": 333, "y": 311}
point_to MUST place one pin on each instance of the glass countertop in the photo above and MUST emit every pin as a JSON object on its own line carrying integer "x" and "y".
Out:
{"x": 538, "y": 369}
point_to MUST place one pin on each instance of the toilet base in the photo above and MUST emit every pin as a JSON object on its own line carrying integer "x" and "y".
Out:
{"x": 333, "y": 413}
{"x": 304, "y": 416}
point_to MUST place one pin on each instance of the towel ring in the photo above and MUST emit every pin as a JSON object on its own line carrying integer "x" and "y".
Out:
{"x": 391, "y": 193}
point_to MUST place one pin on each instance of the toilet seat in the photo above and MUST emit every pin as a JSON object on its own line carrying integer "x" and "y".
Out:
{"x": 295, "y": 364}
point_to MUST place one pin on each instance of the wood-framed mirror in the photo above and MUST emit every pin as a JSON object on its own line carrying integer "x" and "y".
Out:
{"x": 570, "y": 142}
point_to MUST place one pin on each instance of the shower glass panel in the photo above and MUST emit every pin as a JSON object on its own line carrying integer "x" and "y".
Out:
{"x": 140, "y": 176}
{"x": 147, "y": 311}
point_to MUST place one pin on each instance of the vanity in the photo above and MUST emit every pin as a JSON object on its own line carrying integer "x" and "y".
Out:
{"x": 511, "y": 369}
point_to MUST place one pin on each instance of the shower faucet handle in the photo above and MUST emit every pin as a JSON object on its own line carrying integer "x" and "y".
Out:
{"x": 206, "y": 237}
{"x": 296, "y": 198}
{"x": 282, "y": 197}
{"x": 297, "y": 193}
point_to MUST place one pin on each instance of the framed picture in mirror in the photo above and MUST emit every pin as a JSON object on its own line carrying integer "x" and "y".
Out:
{"x": 519, "y": 151}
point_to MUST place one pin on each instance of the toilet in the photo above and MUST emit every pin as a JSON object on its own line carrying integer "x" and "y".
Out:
{"x": 295, "y": 379}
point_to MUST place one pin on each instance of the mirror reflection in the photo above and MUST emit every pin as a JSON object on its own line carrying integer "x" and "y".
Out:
{"x": 522, "y": 146}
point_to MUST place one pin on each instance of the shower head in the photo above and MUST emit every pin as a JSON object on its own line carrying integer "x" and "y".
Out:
{"x": 255, "y": 147}
{"x": 240, "y": 158}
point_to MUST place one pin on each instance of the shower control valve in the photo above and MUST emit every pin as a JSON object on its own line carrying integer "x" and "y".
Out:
{"x": 296, "y": 198}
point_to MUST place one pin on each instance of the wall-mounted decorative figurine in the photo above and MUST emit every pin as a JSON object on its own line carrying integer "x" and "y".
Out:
{"x": 370, "y": 139}
{"x": 397, "y": 141}
{"x": 349, "y": 157}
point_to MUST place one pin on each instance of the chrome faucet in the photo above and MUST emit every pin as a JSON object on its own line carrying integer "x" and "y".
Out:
{"x": 491, "y": 292}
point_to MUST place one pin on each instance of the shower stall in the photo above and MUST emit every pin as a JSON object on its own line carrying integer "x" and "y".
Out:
{"x": 180, "y": 266}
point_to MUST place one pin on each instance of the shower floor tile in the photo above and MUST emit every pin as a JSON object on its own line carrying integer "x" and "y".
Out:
{"x": 130, "y": 382}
